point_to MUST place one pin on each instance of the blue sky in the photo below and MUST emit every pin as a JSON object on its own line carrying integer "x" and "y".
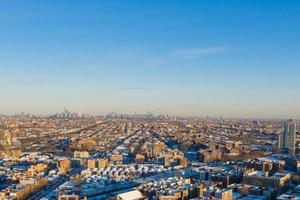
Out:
{"x": 193, "y": 58}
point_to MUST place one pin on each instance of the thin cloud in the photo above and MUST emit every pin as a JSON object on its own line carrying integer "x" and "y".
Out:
{"x": 94, "y": 67}
{"x": 153, "y": 61}
{"x": 198, "y": 52}
{"x": 135, "y": 88}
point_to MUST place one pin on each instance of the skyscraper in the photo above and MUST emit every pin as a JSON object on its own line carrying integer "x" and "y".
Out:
{"x": 286, "y": 139}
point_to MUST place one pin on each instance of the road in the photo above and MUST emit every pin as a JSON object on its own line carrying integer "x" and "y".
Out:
{"x": 55, "y": 184}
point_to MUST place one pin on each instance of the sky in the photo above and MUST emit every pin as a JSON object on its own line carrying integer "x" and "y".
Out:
{"x": 233, "y": 58}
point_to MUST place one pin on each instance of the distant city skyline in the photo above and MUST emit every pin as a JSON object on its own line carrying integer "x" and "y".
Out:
{"x": 239, "y": 59}
{"x": 124, "y": 114}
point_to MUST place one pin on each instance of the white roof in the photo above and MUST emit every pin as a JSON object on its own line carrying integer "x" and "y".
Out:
{"x": 133, "y": 195}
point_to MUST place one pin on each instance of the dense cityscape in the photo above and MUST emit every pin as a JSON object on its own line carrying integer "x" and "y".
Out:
{"x": 150, "y": 100}
{"x": 128, "y": 157}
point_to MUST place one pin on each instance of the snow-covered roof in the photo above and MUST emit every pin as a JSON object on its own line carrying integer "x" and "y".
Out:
{"x": 132, "y": 195}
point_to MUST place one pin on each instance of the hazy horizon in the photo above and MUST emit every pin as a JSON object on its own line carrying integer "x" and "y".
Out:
{"x": 201, "y": 115}
{"x": 238, "y": 59}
